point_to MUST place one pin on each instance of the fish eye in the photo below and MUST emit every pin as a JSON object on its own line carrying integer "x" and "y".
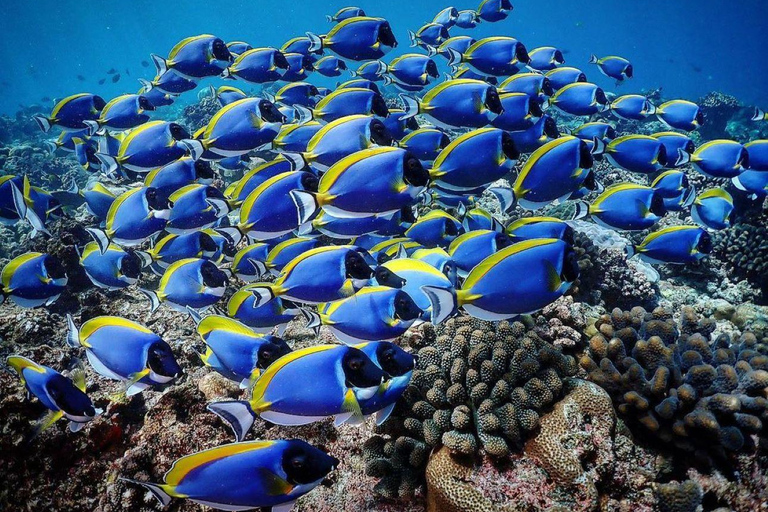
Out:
{"x": 508, "y": 145}
{"x": 546, "y": 87}
{"x": 207, "y": 244}
{"x": 559, "y": 57}
{"x": 355, "y": 363}
{"x": 53, "y": 267}
{"x": 600, "y": 96}
{"x": 585, "y": 156}
{"x": 310, "y": 182}
{"x": 690, "y": 147}
{"x": 297, "y": 462}
{"x": 379, "y": 106}
{"x": 432, "y": 69}
{"x": 629, "y": 71}
{"x": 306, "y": 63}
{"x": 145, "y": 104}
{"x": 662, "y": 158}
{"x": 744, "y": 158}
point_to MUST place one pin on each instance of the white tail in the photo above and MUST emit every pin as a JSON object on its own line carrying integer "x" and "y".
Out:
{"x": 306, "y": 204}
{"x": 411, "y": 106}
{"x": 237, "y": 414}
{"x": 506, "y": 197}
{"x": 146, "y": 85}
{"x": 145, "y": 257}
{"x": 194, "y": 147}
{"x": 582, "y": 210}
{"x": 683, "y": 157}
{"x": 100, "y": 237}
{"x": 160, "y": 63}
{"x": 153, "y": 299}
{"x": 759, "y": 115}
{"x": 296, "y": 159}
{"x": 689, "y": 197}
{"x": 313, "y": 320}
{"x": 73, "y": 335}
{"x": 93, "y": 127}
{"x": 454, "y": 59}
{"x": 109, "y": 164}
{"x": 50, "y": 146}
{"x": 303, "y": 114}
{"x": 259, "y": 267}
{"x": 443, "y": 301}
{"x": 315, "y": 42}
{"x": 163, "y": 497}
{"x": 598, "y": 146}
{"x": 593, "y": 59}
{"x": 43, "y": 122}
{"x": 412, "y": 37}
{"x": 631, "y": 251}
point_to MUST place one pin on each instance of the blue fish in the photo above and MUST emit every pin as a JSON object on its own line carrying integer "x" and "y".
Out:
{"x": 562, "y": 76}
{"x": 342, "y": 137}
{"x": 113, "y": 270}
{"x": 134, "y": 216}
{"x": 245, "y": 266}
{"x": 670, "y": 184}
{"x": 236, "y": 351}
{"x": 399, "y": 124}
{"x": 494, "y": 10}
{"x": 579, "y": 99}
{"x": 282, "y": 252}
{"x": 63, "y": 397}
{"x": 459, "y": 103}
{"x": 270, "y": 210}
{"x": 457, "y": 43}
{"x": 345, "y": 13}
{"x": 300, "y": 45}
{"x": 545, "y": 58}
{"x": 425, "y": 143}
{"x": 168, "y": 83}
{"x": 323, "y": 274}
{"x": 553, "y": 172}
{"x": 299, "y": 67}
{"x": 194, "y": 207}
{"x": 435, "y": 228}
{"x": 150, "y": 145}
{"x": 599, "y": 129}
{"x": 173, "y": 247}
{"x": 32, "y": 279}
{"x": 527, "y": 228}
{"x": 431, "y": 34}
{"x": 275, "y": 314}
{"x": 71, "y": 112}
{"x": 675, "y": 244}
{"x": 372, "y": 70}
{"x": 120, "y": 349}
{"x": 398, "y": 365}
{"x": 614, "y": 67}
{"x": 227, "y": 94}
{"x": 521, "y": 112}
{"x": 195, "y": 57}
{"x": 713, "y": 209}
{"x": 391, "y": 175}
{"x": 516, "y": 280}
{"x": 673, "y": 143}
{"x": 717, "y": 159}
{"x": 193, "y": 282}
{"x": 121, "y": 113}
{"x": 446, "y": 17}
{"x": 238, "y": 128}
{"x": 411, "y": 69}
{"x": 349, "y": 228}
{"x": 755, "y": 179}
{"x": 279, "y": 473}
{"x": 361, "y": 83}
{"x": 297, "y": 93}
{"x": 373, "y": 313}
{"x": 496, "y": 56}
{"x": 258, "y": 66}
{"x": 98, "y": 201}
{"x": 344, "y": 102}
{"x": 637, "y": 153}
{"x": 624, "y": 206}
{"x": 237, "y": 191}
{"x": 440, "y": 260}
{"x": 535, "y": 85}
{"x": 330, "y": 66}
{"x": 543, "y": 131}
{"x": 357, "y": 38}
{"x": 478, "y": 218}
{"x": 680, "y": 115}
{"x": 470, "y": 248}
{"x": 634, "y": 107}
{"x": 178, "y": 174}
{"x": 474, "y": 160}
{"x": 342, "y": 376}
{"x": 467, "y": 18}
{"x": 238, "y": 47}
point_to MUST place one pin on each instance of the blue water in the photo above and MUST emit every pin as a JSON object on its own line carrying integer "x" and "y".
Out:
{"x": 687, "y": 47}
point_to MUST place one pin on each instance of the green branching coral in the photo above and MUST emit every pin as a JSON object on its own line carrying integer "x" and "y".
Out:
{"x": 703, "y": 394}
{"x": 476, "y": 386}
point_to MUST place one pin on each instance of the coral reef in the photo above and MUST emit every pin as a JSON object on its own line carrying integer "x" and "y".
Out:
{"x": 744, "y": 251}
{"x": 608, "y": 279}
{"x": 196, "y": 115}
{"x": 718, "y": 109}
{"x": 676, "y": 382}
{"x": 476, "y": 386}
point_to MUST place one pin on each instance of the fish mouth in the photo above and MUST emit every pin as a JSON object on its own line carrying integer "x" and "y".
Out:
{"x": 162, "y": 214}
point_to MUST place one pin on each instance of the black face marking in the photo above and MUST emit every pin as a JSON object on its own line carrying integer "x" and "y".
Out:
{"x": 492, "y": 101}
{"x": 203, "y": 170}
{"x": 156, "y": 200}
{"x": 304, "y": 464}
{"x": 386, "y": 37}
{"x": 379, "y": 105}
{"x": 130, "y": 265}
{"x": 356, "y": 267}
{"x": 405, "y": 308}
{"x": 220, "y": 51}
{"x": 386, "y": 277}
{"x": 178, "y": 132}
{"x": 309, "y": 181}
{"x": 550, "y": 128}
{"x": 379, "y": 133}
{"x": 413, "y": 172}
{"x": 161, "y": 361}
{"x": 360, "y": 372}
{"x": 546, "y": 87}
{"x": 570, "y": 266}
{"x": 432, "y": 69}
{"x": 585, "y": 156}
{"x": 53, "y": 267}
{"x": 657, "y": 205}
{"x": 144, "y": 104}
{"x": 705, "y": 243}
{"x": 662, "y": 158}
{"x": 508, "y": 146}
{"x": 600, "y": 96}
{"x": 394, "y": 360}
{"x": 212, "y": 276}
{"x": 522, "y": 54}
{"x": 270, "y": 113}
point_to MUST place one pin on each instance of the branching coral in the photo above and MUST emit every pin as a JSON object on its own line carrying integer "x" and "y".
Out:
{"x": 673, "y": 380}
{"x": 476, "y": 386}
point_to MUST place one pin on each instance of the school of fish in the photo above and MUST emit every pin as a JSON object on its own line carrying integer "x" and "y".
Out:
{"x": 364, "y": 220}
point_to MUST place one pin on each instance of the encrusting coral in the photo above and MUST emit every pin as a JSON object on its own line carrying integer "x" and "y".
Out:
{"x": 673, "y": 380}
{"x": 475, "y": 387}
